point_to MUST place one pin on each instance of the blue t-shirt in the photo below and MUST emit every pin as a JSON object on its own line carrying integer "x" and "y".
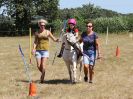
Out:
{"x": 89, "y": 41}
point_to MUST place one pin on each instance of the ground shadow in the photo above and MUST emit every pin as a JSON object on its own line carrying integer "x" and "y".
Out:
{"x": 57, "y": 81}
{"x": 18, "y": 80}
{"x": 54, "y": 81}
{"x": 27, "y": 81}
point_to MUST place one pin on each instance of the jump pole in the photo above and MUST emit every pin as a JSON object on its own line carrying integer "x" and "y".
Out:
{"x": 30, "y": 44}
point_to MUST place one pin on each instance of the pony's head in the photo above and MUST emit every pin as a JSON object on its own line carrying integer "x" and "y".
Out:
{"x": 71, "y": 38}
{"x": 72, "y": 41}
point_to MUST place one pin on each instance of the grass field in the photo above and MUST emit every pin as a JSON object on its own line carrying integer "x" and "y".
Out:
{"x": 113, "y": 78}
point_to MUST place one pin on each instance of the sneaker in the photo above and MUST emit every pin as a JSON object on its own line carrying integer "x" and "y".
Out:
{"x": 59, "y": 55}
{"x": 85, "y": 79}
{"x": 41, "y": 82}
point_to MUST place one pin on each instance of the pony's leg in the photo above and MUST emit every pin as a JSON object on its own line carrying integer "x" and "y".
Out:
{"x": 74, "y": 72}
{"x": 69, "y": 70}
{"x": 80, "y": 70}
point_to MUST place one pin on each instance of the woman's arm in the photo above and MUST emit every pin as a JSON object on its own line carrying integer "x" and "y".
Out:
{"x": 98, "y": 48}
{"x": 53, "y": 38}
{"x": 77, "y": 35}
{"x": 34, "y": 45}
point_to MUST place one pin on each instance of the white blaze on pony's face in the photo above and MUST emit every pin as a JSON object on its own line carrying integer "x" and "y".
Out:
{"x": 71, "y": 42}
{"x": 71, "y": 38}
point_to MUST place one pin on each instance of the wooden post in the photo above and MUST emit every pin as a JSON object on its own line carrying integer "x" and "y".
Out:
{"x": 107, "y": 33}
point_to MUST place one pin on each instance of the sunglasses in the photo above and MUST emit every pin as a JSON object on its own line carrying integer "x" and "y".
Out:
{"x": 89, "y": 26}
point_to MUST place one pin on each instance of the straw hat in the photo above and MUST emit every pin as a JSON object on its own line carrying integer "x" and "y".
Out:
{"x": 42, "y": 22}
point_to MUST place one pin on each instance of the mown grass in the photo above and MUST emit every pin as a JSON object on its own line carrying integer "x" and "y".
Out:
{"x": 112, "y": 79}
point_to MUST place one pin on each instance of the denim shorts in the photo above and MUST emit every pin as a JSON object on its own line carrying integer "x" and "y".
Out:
{"x": 41, "y": 53}
{"x": 89, "y": 57}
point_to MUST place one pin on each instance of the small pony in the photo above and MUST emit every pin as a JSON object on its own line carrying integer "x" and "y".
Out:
{"x": 72, "y": 56}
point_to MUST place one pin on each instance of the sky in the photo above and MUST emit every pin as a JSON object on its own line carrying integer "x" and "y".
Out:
{"x": 120, "y": 6}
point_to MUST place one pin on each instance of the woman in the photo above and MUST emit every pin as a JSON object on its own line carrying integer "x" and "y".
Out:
{"x": 41, "y": 47}
{"x": 71, "y": 29}
{"x": 90, "y": 45}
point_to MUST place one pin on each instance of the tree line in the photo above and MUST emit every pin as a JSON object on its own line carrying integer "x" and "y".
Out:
{"x": 22, "y": 14}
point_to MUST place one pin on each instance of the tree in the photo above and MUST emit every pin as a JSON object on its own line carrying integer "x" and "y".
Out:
{"x": 20, "y": 11}
{"x": 47, "y": 8}
{"x": 23, "y": 10}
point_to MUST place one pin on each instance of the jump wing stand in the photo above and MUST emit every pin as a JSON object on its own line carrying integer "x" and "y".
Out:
{"x": 60, "y": 35}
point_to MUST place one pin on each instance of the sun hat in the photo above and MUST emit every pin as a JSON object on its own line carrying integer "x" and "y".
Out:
{"x": 42, "y": 22}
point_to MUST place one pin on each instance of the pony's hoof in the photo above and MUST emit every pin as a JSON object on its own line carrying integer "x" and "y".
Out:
{"x": 73, "y": 82}
{"x": 90, "y": 81}
{"x": 80, "y": 79}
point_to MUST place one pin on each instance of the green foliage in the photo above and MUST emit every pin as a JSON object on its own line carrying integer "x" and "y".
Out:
{"x": 81, "y": 25}
{"x": 57, "y": 25}
{"x": 115, "y": 24}
{"x": 6, "y": 26}
{"x": 23, "y": 10}
{"x": 23, "y": 14}
{"x": 47, "y": 8}
{"x": 130, "y": 22}
{"x": 86, "y": 12}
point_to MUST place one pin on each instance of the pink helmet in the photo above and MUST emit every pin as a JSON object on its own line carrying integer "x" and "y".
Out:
{"x": 73, "y": 21}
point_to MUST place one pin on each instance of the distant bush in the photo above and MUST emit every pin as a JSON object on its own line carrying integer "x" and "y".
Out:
{"x": 130, "y": 23}
{"x": 115, "y": 24}
{"x": 6, "y": 28}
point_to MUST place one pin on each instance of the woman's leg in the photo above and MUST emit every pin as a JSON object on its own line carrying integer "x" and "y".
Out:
{"x": 38, "y": 60}
{"x": 43, "y": 67}
{"x": 86, "y": 68}
{"x": 91, "y": 72}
